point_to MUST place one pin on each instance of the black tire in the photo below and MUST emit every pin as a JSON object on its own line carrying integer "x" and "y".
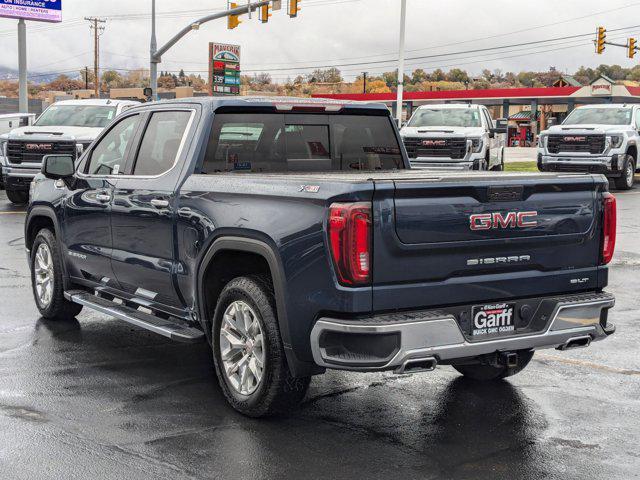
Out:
{"x": 58, "y": 308}
{"x": 19, "y": 197}
{"x": 488, "y": 372}
{"x": 278, "y": 391}
{"x": 626, "y": 180}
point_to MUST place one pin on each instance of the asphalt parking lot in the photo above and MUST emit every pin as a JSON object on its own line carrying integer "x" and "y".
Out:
{"x": 94, "y": 398}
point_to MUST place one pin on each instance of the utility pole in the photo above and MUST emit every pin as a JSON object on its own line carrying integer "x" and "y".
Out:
{"x": 23, "y": 97}
{"x": 403, "y": 20}
{"x": 364, "y": 82}
{"x": 97, "y": 32}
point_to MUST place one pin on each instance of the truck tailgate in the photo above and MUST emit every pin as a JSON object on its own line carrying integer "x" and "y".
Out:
{"x": 471, "y": 238}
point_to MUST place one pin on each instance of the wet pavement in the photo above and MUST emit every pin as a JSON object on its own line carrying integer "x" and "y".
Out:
{"x": 93, "y": 398}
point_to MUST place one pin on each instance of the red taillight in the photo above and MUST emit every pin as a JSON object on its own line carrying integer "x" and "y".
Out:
{"x": 350, "y": 241}
{"x": 609, "y": 220}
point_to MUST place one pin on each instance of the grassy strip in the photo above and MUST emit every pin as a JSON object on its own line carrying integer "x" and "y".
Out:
{"x": 521, "y": 167}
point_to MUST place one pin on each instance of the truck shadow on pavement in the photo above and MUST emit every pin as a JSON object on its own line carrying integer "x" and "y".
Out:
{"x": 163, "y": 399}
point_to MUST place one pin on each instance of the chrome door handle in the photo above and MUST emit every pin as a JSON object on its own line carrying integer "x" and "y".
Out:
{"x": 159, "y": 203}
{"x": 103, "y": 197}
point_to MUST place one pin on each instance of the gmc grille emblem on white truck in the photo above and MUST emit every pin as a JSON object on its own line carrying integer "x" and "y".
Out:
{"x": 488, "y": 221}
{"x": 575, "y": 139}
{"x": 434, "y": 143}
{"x": 38, "y": 146}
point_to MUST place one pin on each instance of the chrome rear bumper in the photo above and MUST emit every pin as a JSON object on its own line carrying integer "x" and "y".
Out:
{"x": 431, "y": 335}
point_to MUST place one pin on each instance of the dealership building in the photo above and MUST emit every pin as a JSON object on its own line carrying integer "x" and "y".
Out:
{"x": 528, "y": 109}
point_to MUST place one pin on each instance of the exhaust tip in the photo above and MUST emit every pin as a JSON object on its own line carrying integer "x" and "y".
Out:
{"x": 414, "y": 365}
{"x": 578, "y": 342}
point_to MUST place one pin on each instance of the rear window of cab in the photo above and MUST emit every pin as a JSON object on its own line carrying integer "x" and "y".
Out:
{"x": 275, "y": 142}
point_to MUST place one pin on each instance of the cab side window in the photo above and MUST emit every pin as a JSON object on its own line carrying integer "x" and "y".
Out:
{"x": 109, "y": 155}
{"x": 161, "y": 142}
{"x": 638, "y": 119}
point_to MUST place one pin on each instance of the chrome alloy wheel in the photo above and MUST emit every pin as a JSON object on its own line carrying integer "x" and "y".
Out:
{"x": 43, "y": 274}
{"x": 242, "y": 347}
{"x": 630, "y": 173}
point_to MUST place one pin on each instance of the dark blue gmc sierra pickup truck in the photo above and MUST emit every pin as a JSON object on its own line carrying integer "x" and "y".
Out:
{"x": 292, "y": 236}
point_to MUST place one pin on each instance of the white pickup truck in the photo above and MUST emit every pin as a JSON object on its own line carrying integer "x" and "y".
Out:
{"x": 454, "y": 137}
{"x": 595, "y": 139}
{"x": 66, "y": 127}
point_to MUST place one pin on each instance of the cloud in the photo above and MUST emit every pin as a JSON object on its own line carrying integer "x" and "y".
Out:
{"x": 328, "y": 32}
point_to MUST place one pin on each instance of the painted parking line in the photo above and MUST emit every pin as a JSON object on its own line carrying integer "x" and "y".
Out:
{"x": 12, "y": 213}
{"x": 587, "y": 364}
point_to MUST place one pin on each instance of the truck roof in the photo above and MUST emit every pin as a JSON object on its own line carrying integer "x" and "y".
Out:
{"x": 104, "y": 102}
{"x": 448, "y": 105}
{"x": 278, "y": 102}
{"x": 607, "y": 105}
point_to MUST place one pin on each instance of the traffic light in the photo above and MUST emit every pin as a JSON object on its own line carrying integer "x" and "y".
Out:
{"x": 294, "y": 8}
{"x": 632, "y": 47}
{"x": 233, "y": 20}
{"x": 601, "y": 38}
{"x": 264, "y": 13}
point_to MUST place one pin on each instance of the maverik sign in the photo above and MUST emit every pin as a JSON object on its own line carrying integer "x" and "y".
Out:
{"x": 224, "y": 69}
{"x": 39, "y": 10}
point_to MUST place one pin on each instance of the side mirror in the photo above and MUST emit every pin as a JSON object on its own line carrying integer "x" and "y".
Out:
{"x": 552, "y": 121}
{"x": 58, "y": 166}
{"x": 501, "y": 126}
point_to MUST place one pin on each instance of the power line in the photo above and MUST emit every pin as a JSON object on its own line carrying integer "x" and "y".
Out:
{"x": 426, "y": 57}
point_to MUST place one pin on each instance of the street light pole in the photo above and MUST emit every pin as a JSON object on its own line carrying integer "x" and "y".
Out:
{"x": 23, "y": 97}
{"x": 156, "y": 53}
{"x": 403, "y": 18}
{"x": 153, "y": 70}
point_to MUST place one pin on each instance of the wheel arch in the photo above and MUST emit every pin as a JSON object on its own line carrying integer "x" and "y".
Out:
{"x": 40, "y": 217}
{"x": 266, "y": 255}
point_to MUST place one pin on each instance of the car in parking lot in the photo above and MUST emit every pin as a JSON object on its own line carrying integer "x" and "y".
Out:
{"x": 454, "y": 137}
{"x": 292, "y": 235}
{"x": 66, "y": 127}
{"x": 596, "y": 139}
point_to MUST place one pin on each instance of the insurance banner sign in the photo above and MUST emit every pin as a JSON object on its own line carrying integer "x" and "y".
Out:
{"x": 38, "y": 10}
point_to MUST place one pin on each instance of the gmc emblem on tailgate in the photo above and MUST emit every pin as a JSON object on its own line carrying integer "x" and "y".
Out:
{"x": 434, "y": 143}
{"x": 38, "y": 146}
{"x": 575, "y": 139}
{"x": 488, "y": 221}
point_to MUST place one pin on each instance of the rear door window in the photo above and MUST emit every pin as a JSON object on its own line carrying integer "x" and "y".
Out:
{"x": 161, "y": 142}
{"x": 251, "y": 142}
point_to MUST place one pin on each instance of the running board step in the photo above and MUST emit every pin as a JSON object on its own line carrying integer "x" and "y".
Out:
{"x": 173, "y": 329}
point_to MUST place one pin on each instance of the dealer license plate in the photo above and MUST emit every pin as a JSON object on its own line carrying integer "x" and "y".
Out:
{"x": 493, "y": 319}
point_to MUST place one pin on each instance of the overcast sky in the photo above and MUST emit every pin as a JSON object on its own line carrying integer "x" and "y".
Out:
{"x": 331, "y": 32}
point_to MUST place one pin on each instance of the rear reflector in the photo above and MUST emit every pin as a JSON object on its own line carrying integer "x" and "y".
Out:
{"x": 609, "y": 220}
{"x": 350, "y": 242}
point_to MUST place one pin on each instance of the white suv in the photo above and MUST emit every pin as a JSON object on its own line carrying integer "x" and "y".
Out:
{"x": 454, "y": 137}
{"x": 596, "y": 139}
